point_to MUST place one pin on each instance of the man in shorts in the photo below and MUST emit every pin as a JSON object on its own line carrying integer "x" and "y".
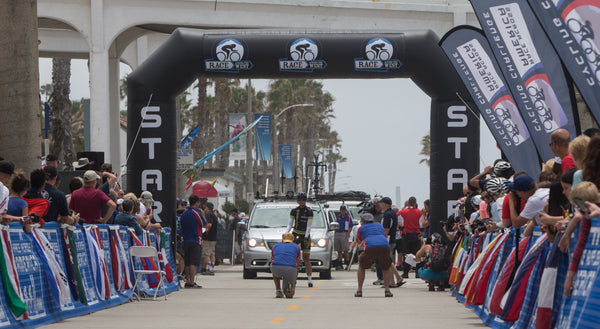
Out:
{"x": 377, "y": 248}
{"x": 209, "y": 239}
{"x": 300, "y": 222}
{"x": 286, "y": 256}
{"x": 340, "y": 242}
{"x": 192, "y": 222}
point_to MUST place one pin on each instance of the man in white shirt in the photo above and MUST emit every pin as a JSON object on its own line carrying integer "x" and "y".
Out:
{"x": 524, "y": 187}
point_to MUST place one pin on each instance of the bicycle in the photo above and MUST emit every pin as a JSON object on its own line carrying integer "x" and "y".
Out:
{"x": 302, "y": 52}
{"x": 378, "y": 52}
{"x": 228, "y": 54}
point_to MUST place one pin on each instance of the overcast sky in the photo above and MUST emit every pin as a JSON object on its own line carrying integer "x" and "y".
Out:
{"x": 380, "y": 122}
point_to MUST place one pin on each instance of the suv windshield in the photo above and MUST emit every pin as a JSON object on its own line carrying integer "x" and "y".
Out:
{"x": 278, "y": 217}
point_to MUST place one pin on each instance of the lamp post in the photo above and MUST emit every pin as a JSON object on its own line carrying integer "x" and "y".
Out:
{"x": 276, "y": 144}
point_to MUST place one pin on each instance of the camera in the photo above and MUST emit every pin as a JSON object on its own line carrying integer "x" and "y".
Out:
{"x": 367, "y": 207}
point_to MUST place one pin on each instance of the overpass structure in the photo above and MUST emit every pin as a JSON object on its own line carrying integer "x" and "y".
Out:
{"x": 107, "y": 32}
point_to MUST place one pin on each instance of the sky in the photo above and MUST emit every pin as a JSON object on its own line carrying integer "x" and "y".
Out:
{"x": 380, "y": 122}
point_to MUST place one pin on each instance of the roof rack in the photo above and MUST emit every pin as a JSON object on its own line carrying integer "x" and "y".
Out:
{"x": 344, "y": 196}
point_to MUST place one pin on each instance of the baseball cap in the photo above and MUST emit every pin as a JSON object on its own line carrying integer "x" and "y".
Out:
{"x": 522, "y": 183}
{"x": 146, "y": 195}
{"x": 181, "y": 201}
{"x": 476, "y": 200}
{"x": 7, "y": 167}
{"x": 242, "y": 214}
{"x": 90, "y": 176}
{"x": 51, "y": 171}
{"x": 343, "y": 207}
{"x": 51, "y": 157}
{"x": 287, "y": 237}
{"x": 386, "y": 200}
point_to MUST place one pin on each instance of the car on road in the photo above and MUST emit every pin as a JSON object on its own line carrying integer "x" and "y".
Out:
{"x": 268, "y": 221}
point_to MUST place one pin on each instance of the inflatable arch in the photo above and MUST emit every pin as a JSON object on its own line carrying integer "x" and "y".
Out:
{"x": 277, "y": 54}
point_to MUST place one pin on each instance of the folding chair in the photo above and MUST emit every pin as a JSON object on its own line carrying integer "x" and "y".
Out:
{"x": 146, "y": 252}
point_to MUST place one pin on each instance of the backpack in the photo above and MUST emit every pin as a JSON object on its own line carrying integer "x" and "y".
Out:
{"x": 438, "y": 257}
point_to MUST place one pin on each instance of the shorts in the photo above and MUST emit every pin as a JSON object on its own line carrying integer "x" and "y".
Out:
{"x": 427, "y": 274}
{"x": 288, "y": 274}
{"x": 381, "y": 254}
{"x": 410, "y": 243}
{"x": 302, "y": 241}
{"x": 340, "y": 241}
{"x": 208, "y": 248}
{"x": 192, "y": 253}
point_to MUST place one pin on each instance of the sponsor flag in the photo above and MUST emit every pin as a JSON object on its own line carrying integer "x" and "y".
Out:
{"x": 471, "y": 55}
{"x": 572, "y": 27}
{"x": 548, "y": 287}
{"x": 502, "y": 281}
{"x": 55, "y": 276}
{"x": 120, "y": 262}
{"x": 479, "y": 291}
{"x": 285, "y": 160}
{"x": 233, "y": 139}
{"x": 531, "y": 68}
{"x": 162, "y": 258}
{"x": 68, "y": 260}
{"x": 262, "y": 136}
{"x": 189, "y": 183}
{"x": 10, "y": 279}
{"x": 187, "y": 140}
{"x": 99, "y": 267}
{"x": 70, "y": 237}
{"x": 237, "y": 124}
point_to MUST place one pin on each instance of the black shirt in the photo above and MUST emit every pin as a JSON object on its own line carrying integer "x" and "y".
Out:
{"x": 58, "y": 203}
{"x": 211, "y": 233}
{"x": 390, "y": 221}
{"x": 301, "y": 216}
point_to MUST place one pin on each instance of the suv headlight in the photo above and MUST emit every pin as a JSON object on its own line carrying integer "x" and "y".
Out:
{"x": 322, "y": 243}
{"x": 254, "y": 242}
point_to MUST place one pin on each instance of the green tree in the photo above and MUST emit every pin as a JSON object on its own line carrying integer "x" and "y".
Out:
{"x": 60, "y": 106}
{"x": 425, "y": 149}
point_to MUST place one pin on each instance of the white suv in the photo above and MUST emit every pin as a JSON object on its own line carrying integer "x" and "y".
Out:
{"x": 268, "y": 222}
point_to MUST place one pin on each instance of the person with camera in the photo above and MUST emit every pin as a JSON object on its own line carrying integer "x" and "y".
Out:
{"x": 286, "y": 256}
{"x": 390, "y": 224}
{"x": 146, "y": 212}
{"x": 433, "y": 262}
{"x": 377, "y": 248}
{"x": 300, "y": 222}
{"x": 341, "y": 237}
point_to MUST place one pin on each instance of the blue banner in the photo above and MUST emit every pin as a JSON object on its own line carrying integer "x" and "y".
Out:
{"x": 187, "y": 140}
{"x": 285, "y": 160}
{"x": 262, "y": 136}
{"x": 471, "y": 56}
{"x": 571, "y": 26}
{"x": 531, "y": 67}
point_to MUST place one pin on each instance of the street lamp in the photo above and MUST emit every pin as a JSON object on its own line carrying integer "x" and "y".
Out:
{"x": 276, "y": 144}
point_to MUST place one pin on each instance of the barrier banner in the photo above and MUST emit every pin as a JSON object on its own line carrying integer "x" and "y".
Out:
{"x": 571, "y": 26}
{"x": 471, "y": 56}
{"x": 99, "y": 267}
{"x": 262, "y": 136}
{"x": 583, "y": 308}
{"x": 237, "y": 123}
{"x": 285, "y": 160}
{"x": 10, "y": 280}
{"x": 531, "y": 67}
{"x": 121, "y": 273}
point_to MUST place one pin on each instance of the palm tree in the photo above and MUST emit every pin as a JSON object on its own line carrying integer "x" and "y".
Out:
{"x": 19, "y": 96}
{"x": 426, "y": 148}
{"x": 60, "y": 106}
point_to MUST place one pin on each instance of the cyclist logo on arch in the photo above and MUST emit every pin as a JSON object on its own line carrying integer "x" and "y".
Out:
{"x": 229, "y": 54}
{"x": 303, "y": 54}
{"x": 378, "y": 55}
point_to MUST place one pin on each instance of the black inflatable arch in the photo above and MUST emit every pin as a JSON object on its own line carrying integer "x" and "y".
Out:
{"x": 276, "y": 54}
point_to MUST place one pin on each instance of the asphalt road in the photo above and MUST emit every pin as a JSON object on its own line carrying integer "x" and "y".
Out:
{"x": 228, "y": 301}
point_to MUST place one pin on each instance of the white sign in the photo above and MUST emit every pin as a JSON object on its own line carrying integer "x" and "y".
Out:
{"x": 185, "y": 158}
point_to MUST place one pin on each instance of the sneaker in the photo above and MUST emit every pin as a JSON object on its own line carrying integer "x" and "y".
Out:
{"x": 194, "y": 285}
{"x": 310, "y": 284}
{"x": 279, "y": 294}
{"x": 378, "y": 282}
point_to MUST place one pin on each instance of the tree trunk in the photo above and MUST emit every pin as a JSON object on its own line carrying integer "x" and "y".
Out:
{"x": 19, "y": 84}
{"x": 60, "y": 105}
{"x": 201, "y": 144}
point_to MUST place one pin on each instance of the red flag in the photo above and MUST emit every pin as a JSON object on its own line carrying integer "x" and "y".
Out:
{"x": 188, "y": 184}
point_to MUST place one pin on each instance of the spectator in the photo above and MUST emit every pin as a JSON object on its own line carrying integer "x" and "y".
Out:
{"x": 233, "y": 227}
{"x": 209, "y": 238}
{"x": 82, "y": 164}
{"x": 578, "y": 149}
{"x": 591, "y": 163}
{"x": 390, "y": 224}
{"x": 88, "y": 201}
{"x": 496, "y": 191}
{"x": 126, "y": 218}
{"x": 59, "y": 210}
{"x": 428, "y": 271}
{"x": 18, "y": 187}
{"x": 75, "y": 184}
{"x": 51, "y": 160}
{"x": 377, "y": 247}
{"x": 340, "y": 243}
{"x": 425, "y": 220}
{"x": 146, "y": 212}
{"x": 559, "y": 143}
{"x": 192, "y": 223}
{"x": 410, "y": 232}
{"x": 34, "y": 198}
{"x": 286, "y": 256}
{"x": 523, "y": 187}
